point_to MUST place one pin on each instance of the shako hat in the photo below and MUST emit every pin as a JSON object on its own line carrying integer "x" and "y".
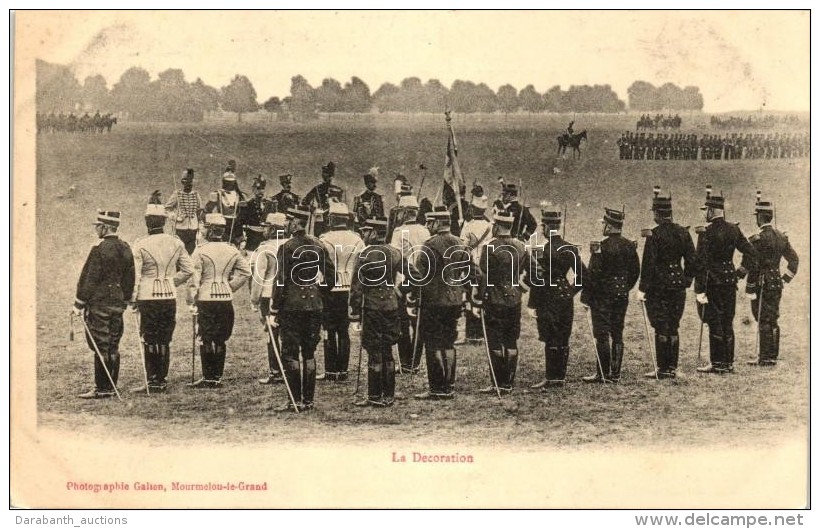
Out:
{"x": 440, "y": 213}
{"x": 659, "y": 203}
{"x": 613, "y": 217}
{"x": 713, "y": 201}
{"x": 408, "y": 201}
{"x": 155, "y": 207}
{"x": 550, "y": 214}
{"x": 275, "y": 219}
{"x": 299, "y": 212}
{"x": 259, "y": 182}
{"x": 329, "y": 169}
{"x": 108, "y": 218}
{"x": 504, "y": 218}
{"x": 285, "y": 179}
{"x": 215, "y": 219}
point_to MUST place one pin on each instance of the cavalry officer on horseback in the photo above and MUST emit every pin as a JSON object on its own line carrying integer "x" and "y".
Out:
{"x": 161, "y": 265}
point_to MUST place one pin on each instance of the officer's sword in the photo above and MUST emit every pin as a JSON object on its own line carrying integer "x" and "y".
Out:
{"x": 759, "y": 313}
{"x": 281, "y": 366}
{"x": 100, "y": 356}
{"x": 489, "y": 357}
{"x": 594, "y": 347}
{"x": 648, "y": 340}
{"x": 142, "y": 353}
{"x": 193, "y": 347}
{"x": 361, "y": 336}
{"x": 415, "y": 343}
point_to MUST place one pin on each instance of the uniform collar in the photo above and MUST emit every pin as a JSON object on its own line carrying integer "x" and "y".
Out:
{"x": 767, "y": 225}
{"x": 110, "y": 236}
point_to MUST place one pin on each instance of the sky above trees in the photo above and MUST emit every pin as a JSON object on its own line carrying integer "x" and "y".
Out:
{"x": 739, "y": 60}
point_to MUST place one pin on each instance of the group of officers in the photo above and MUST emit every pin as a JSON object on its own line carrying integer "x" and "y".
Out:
{"x": 734, "y": 146}
{"x": 407, "y": 283}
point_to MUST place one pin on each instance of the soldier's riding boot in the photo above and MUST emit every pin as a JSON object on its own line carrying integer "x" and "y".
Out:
{"x": 729, "y": 351}
{"x": 512, "y": 368}
{"x": 617, "y": 360}
{"x": 661, "y": 355}
{"x": 308, "y": 383}
{"x": 275, "y": 376}
{"x": 674, "y": 355}
{"x": 164, "y": 363}
{"x": 775, "y": 351}
{"x": 294, "y": 380}
{"x": 603, "y": 351}
{"x": 331, "y": 354}
{"x": 450, "y": 373}
{"x": 563, "y": 360}
{"x": 716, "y": 356}
{"x": 549, "y": 354}
{"x": 497, "y": 363}
{"x": 435, "y": 375}
{"x": 148, "y": 358}
{"x": 388, "y": 376}
{"x": 375, "y": 377}
{"x": 101, "y": 381}
{"x": 220, "y": 352}
{"x": 343, "y": 358}
{"x": 205, "y": 355}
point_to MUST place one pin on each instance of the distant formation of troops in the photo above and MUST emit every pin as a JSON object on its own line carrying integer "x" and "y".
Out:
{"x": 734, "y": 122}
{"x": 407, "y": 277}
{"x": 659, "y": 121}
{"x": 53, "y": 123}
{"x": 734, "y": 146}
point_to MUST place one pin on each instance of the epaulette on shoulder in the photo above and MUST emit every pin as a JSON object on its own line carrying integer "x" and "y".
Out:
{"x": 634, "y": 243}
{"x": 700, "y": 229}
{"x": 737, "y": 224}
{"x": 686, "y": 228}
{"x": 595, "y": 246}
{"x": 754, "y": 238}
{"x": 646, "y": 232}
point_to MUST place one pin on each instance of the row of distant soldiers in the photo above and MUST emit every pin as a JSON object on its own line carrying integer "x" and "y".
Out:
{"x": 409, "y": 288}
{"x": 659, "y": 121}
{"x": 641, "y": 146}
{"x": 749, "y": 122}
{"x": 97, "y": 124}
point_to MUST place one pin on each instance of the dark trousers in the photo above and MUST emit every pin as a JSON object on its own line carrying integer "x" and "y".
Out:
{"x": 719, "y": 315}
{"x": 299, "y": 331}
{"x": 106, "y": 328}
{"x": 503, "y": 326}
{"x": 157, "y": 324}
{"x": 337, "y": 329}
{"x": 216, "y": 319}
{"x": 408, "y": 357}
{"x": 767, "y": 315}
{"x": 438, "y": 332}
{"x": 664, "y": 308}
{"x": 188, "y": 238}
{"x": 264, "y": 310}
{"x": 381, "y": 373}
{"x": 472, "y": 330}
{"x": 554, "y": 319}
{"x": 608, "y": 330}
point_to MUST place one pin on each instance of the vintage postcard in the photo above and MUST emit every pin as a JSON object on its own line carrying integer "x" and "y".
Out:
{"x": 198, "y": 198}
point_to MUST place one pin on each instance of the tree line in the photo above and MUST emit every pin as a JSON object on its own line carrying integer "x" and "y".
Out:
{"x": 170, "y": 97}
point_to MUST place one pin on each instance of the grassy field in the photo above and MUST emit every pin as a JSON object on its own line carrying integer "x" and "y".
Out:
{"x": 119, "y": 171}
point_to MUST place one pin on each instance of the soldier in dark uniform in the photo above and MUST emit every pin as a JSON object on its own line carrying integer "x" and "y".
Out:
{"x": 318, "y": 199}
{"x": 764, "y": 286}
{"x": 498, "y": 295}
{"x": 667, "y": 270}
{"x": 457, "y": 219}
{"x": 443, "y": 282}
{"x": 285, "y": 199}
{"x": 305, "y": 269}
{"x": 368, "y": 204}
{"x": 105, "y": 285}
{"x": 716, "y": 281}
{"x": 525, "y": 224}
{"x": 374, "y": 301}
{"x": 253, "y": 213}
{"x": 552, "y": 293}
{"x": 613, "y": 271}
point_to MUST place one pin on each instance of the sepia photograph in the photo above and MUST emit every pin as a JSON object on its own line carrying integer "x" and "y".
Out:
{"x": 410, "y": 259}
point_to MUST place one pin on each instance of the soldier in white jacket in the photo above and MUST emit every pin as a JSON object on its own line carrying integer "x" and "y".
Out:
{"x": 265, "y": 269}
{"x": 475, "y": 234}
{"x": 343, "y": 245}
{"x": 219, "y": 271}
{"x": 161, "y": 264}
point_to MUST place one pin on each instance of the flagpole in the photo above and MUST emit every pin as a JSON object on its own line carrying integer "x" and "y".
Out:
{"x": 454, "y": 164}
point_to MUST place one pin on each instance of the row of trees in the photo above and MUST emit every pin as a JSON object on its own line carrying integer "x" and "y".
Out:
{"x": 645, "y": 96}
{"x": 170, "y": 97}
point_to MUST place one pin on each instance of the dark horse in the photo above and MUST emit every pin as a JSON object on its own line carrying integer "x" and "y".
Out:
{"x": 574, "y": 141}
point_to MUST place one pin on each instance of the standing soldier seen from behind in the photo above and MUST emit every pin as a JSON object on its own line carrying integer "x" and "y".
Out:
{"x": 186, "y": 206}
{"x": 343, "y": 245}
{"x": 161, "y": 264}
{"x": 552, "y": 294}
{"x": 305, "y": 269}
{"x": 408, "y": 238}
{"x": 613, "y": 271}
{"x": 668, "y": 266}
{"x": 504, "y": 260}
{"x": 253, "y": 214}
{"x": 285, "y": 199}
{"x": 105, "y": 285}
{"x": 265, "y": 267}
{"x": 716, "y": 281}
{"x": 369, "y": 203}
{"x": 219, "y": 271}
{"x": 764, "y": 286}
{"x": 444, "y": 271}
{"x": 374, "y": 301}
{"x": 476, "y": 233}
